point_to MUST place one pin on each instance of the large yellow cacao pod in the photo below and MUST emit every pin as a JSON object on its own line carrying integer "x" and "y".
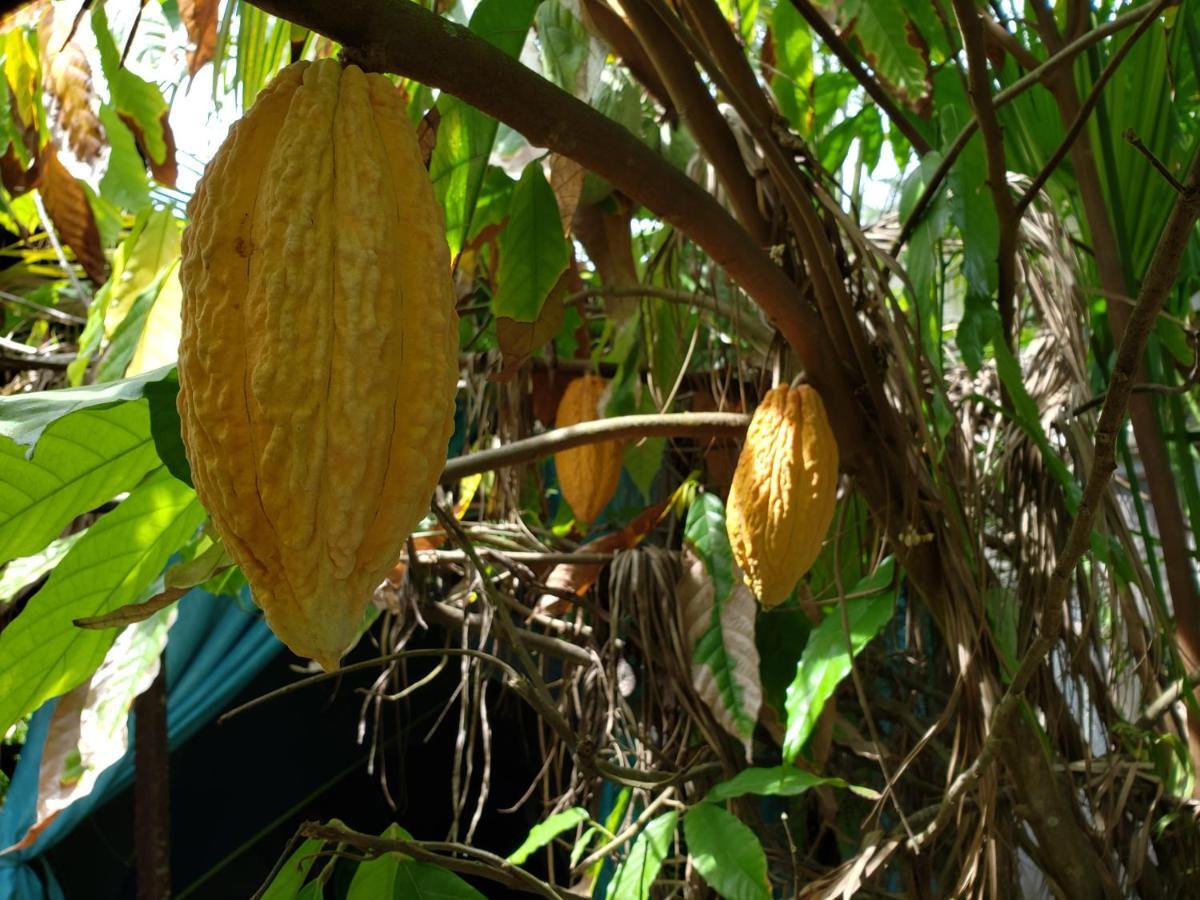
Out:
{"x": 317, "y": 363}
{"x": 783, "y": 492}
{"x": 587, "y": 475}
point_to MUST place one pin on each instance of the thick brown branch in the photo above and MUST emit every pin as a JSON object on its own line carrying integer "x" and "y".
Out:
{"x": 402, "y": 37}
{"x": 678, "y": 72}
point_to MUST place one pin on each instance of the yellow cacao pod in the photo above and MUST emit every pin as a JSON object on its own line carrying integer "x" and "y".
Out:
{"x": 318, "y": 358}
{"x": 783, "y": 492}
{"x": 587, "y": 475}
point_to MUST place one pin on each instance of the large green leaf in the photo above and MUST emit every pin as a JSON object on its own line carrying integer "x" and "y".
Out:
{"x": 794, "y": 59}
{"x": 533, "y": 251}
{"x": 80, "y": 462}
{"x": 23, "y": 417}
{"x": 719, "y": 613}
{"x": 130, "y": 94}
{"x": 396, "y": 876}
{"x": 425, "y": 881}
{"x": 42, "y": 653}
{"x": 465, "y": 135}
{"x": 726, "y": 853}
{"x": 378, "y": 878}
{"x": 780, "y": 781}
{"x": 892, "y": 44}
{"x": 544, "y": 832}
{"x": 125, "y": 182}
{"x": 288, "y": 882}
{"x": 826, "y": 659}
{"x": 636, "y": 874}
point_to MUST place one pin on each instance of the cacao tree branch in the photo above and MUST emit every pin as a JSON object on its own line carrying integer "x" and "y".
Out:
{"x": 678, "y": 72}
{"x": 707, "y": 424}
{"x": 399, "y": 36}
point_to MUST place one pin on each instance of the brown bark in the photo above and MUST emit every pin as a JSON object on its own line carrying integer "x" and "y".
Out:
{"x": 151, "y": 792}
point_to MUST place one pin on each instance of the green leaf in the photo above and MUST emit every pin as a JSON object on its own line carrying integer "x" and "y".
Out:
{"x": 781, "y": 781}
{"x": 794, "y": 58}
{"x": 426, "y": 881}
{"x": 465, "y": 135}
{"x": 24, "y": 417}
{"x": 288, "y": 882}
{"x": 130, "y": 94}
{"x": 42, "y": 654}
{"x": 378, "y": 878}
{"x": 544, "y": 832}
{"x": 720, "y": 614}
{"x": 978, "y": 321}
{"x": 533, "y": 251}
{"x": 636, "y": 874}
{"x": 141, "y": 266}
{"x": 166, "y": 428}
{"x": 566, "y": 47}
{"x": 81, "y": 461}
{"x": 726, "y": 853}
{"x": 825, "y": 661}
{"x": 1028, "y": 416}
{"x": 970, "y": 201}
{"x": 125, "y": 182}
{"x": 128, "y": 333}
{"x": 22, "y": 572}
{"x": 891, "y": 44}
{"x": 705, "y": 531}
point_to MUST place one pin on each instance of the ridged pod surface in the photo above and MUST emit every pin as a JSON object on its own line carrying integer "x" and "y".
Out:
{"x": 587, "y": 475}
{"x": 783, "y": 493}
{"x": 317, "y": 363}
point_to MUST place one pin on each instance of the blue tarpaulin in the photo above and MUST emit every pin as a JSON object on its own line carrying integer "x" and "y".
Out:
{"x": 216, "y": 646}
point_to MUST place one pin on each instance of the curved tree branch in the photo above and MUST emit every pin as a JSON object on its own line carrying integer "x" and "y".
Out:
{"x": 713, "y": 424}
{"x": 399, "y": 36}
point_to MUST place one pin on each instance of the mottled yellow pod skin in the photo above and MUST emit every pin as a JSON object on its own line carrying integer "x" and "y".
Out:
{"x": 587, "y": 475}
{"x": 318, "y": 359}
{"x": 783, "y": 493}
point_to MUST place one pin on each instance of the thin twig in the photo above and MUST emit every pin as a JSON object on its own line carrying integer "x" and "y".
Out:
{"x": 1131, "y": 136}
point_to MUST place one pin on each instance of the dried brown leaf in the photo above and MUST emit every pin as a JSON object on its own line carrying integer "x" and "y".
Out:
{"x": 566, "y": 179}
{"x": 67, "y": 79}
{"x": 696, "y": 594}
{"x": 67, "y": 205}
{"x": 200, "y": 19}
{"x": 579, "y": 577}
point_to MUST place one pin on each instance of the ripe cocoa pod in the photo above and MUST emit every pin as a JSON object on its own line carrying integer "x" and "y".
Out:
{"x": 587, "y": 475}
{"x": 783, "y": 492}
{"x": 317, "y": 363}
